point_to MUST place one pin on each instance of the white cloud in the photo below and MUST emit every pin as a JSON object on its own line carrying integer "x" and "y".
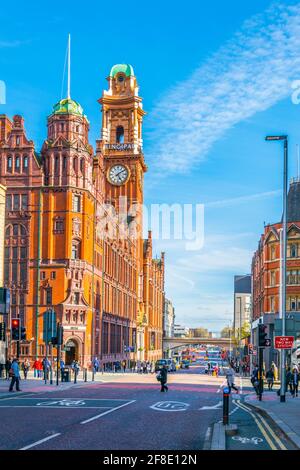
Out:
{"x": 14, "y": 43}
{"x": 249, "y": 74}
{"x": 243, "y": 199}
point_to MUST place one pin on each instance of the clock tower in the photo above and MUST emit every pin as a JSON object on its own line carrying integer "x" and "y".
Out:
{"x": 121, "y": 141}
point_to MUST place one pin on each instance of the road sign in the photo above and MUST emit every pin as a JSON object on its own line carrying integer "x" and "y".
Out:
{"x": 284, "y": 342}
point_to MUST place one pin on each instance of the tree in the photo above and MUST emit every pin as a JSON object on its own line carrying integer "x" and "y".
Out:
{"x": 226, "y": 332}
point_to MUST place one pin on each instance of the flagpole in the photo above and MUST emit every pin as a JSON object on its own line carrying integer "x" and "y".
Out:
{"x": 69, "y": 67}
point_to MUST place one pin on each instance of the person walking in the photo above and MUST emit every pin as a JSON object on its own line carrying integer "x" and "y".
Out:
{"x": 40, "y": 369}
{"x": 163, "y": 377}
{"x": 7, "y": 368}
{"x": 25, "y": 367}
{"x": 270, "y": 378}
{"x": 230, "y": 379}
{"x": 95, "y": 365}
{"x": 62, "y": 368}
{"x": 289, "y": 380}
{"x": 15, "y": 376}
{"x": 295, "y": 381}
{"x": 36, "y": 372}
{"x": 254, "y": 380}
{"x": 124, "y": 366}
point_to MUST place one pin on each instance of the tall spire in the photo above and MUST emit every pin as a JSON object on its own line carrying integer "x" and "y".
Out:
{"x": 69, "y": 67}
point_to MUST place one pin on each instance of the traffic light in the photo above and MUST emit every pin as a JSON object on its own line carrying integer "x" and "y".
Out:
{"x": 2, "y": 331}
{"x": 15, "y": 329}
{"x": 23, "y": 333}
{"x": 262, "y": 335}
{"x": 60, "y": 335}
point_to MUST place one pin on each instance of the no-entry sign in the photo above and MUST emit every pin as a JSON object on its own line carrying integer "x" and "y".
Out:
{"x": 284, "y": 342}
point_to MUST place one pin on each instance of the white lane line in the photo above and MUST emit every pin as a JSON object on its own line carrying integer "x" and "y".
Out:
{"x": 106, "y": 412}
{"x": 40, "y": 441}
{"x": 49, "y": 407}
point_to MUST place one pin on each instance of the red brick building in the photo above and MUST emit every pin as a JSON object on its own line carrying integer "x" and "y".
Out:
{"x": 65, "y": 245}
{"x": 266, "y": 271}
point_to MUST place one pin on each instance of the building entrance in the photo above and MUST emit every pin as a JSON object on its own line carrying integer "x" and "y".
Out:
{"x": 71, "y": 349}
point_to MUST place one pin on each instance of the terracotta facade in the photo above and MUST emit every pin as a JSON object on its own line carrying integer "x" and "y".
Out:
{"x": 68, "y": 244}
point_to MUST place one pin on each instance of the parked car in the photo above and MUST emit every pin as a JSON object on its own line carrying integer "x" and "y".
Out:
{"x": 164, "y": 362}
{"x": 185, "y": 364}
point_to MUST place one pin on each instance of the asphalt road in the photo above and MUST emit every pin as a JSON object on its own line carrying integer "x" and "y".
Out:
{"x": 124, "y": 414}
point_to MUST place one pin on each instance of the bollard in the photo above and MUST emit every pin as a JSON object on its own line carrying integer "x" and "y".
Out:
{"x": 226, "y": 394}
{"x": 75, "y": 376}
{"x": 85, "y": 374}
{"x": 93, "y": 375}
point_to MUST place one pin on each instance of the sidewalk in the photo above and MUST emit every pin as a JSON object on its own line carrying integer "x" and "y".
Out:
{"x": 285, "y": 415}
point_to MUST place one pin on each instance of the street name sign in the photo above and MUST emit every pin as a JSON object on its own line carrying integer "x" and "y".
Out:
{"x": 284, "y": 342}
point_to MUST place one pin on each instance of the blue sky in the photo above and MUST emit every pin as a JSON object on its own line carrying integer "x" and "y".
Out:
{"x": 215, "y": 80}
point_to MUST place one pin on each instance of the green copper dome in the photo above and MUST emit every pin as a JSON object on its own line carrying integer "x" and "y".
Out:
{"x": 68, "y": 106}
{"x": 122, "y": 68}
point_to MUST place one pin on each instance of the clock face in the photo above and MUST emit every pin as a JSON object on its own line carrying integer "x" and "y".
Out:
{"x": 118, "y": 174}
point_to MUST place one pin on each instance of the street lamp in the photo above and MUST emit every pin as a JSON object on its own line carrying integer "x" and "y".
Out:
{"x": 284, "y": 251}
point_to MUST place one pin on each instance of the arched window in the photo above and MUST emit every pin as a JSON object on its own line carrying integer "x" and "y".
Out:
{"x": 293, "y": 251}
{"x": 25, "y": 162}
{"x": 74, "y": 163}
{"x": 120, "y": 135}
{"x": 56, "y": 165}
{"x": 17, "y": 163}
{"x": 82, "y": 165}
{"x": 9, "y": 163}
{"x": 75, "y": 249}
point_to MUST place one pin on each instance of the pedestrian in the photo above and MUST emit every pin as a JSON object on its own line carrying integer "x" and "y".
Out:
{"x": 270, "y": 378}
{"x": 163, "y": 377}
{"x": 14, "y": 373}
{"x": 295, "y": 381}
{"x": 62, "y": 368}
{"x": 95, "y": 365}
{"x": 275, "y": 370}
{"x": 76, "y": 368}
{"x": 40, "y": 369}
{"x": 230, "y": 379}
{"x": 25, "y": 367}
{"x": 35, "y": 366}
{"x": 46, "y": 367}
{"x": 124, "y": 366}
{"x": 7, "y": 368}
{"x": 289, "y": 380}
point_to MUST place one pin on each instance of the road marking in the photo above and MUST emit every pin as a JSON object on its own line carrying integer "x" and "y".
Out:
{"x": 276, "y": 438}
{"x": 269, "y": 441}
{"x": 106, "y": 412}
{"x": 170, "y": 406}
{"x": 40, "y": 441}
{"x": 246, "y": 440}
{"x": 214, "y": 407}
{"x": 221, "y": 386}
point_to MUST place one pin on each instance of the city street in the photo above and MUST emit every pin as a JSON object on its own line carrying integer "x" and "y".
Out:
{"x": 128, "y": 411}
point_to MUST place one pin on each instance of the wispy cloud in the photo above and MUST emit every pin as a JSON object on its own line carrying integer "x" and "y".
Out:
{"x": 11, "y": 44}
{"x": 243, "y": 199}
{"x": 249, "y": 74}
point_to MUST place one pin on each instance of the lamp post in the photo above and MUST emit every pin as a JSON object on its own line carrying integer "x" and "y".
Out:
{"x": 284, "y": 252}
